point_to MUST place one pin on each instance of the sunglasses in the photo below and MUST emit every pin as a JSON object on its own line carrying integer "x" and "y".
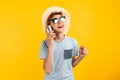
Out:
{"x": 55, "y": 20}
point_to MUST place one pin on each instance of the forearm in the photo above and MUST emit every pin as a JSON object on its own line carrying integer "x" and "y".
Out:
{"x": 48, "y": 62}
{"x": 76, "y": 61}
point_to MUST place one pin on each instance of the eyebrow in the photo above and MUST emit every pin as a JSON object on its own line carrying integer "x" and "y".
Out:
{"x": 53, "y": 18}
{"x": 58, "y": 18}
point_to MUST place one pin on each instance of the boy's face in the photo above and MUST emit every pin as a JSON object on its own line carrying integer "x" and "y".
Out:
{"x": 58, "y": 26}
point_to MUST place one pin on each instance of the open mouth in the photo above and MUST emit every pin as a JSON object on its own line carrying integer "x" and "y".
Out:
{"x": 60, "y": 26}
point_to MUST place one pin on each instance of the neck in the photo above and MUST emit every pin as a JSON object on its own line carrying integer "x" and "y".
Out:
{"x": 59, "y": 36}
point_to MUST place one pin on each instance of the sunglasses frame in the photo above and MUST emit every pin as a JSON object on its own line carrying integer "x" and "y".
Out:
{"x": 53, "y": 19}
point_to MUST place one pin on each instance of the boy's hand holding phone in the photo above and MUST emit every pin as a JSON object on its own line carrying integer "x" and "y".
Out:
{"x": 50, "y": 36}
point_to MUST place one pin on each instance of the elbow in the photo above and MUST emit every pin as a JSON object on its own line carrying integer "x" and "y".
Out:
{"x": 47, "y": 71}
{"x": 73, "y": 65}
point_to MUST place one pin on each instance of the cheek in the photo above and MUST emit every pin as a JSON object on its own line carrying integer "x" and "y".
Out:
{"x": 53, "y": 26}
{"x": 63, "y": 23}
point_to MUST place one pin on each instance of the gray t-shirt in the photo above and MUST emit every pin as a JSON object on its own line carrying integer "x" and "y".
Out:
{"x": 62, "y": 54}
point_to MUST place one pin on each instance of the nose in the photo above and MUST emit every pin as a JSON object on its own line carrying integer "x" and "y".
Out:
{"x": 59, "y": 22}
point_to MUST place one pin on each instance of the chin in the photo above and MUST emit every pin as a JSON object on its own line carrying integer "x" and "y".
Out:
{"x": 60, "y": 31}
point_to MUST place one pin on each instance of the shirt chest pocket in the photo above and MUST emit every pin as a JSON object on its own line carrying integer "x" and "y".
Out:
{"x": 68, "y": 54}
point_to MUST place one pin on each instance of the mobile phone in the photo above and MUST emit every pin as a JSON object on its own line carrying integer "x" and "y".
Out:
{"x": 49, "y": 29}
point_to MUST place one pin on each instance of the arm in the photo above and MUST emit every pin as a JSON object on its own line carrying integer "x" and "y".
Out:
{"x": 47, "y": 66}
{"x": 82, "y": 54}
{"x": 75, "y": 61}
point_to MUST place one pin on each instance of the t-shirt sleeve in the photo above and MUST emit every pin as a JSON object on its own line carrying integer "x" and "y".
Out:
{"x": 43, "y": 50}
{"x": 75, "y": 48}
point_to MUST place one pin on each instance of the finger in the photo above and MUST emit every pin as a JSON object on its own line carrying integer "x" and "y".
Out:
{"x": 85, "y": 50}
{"x": 81, "y": 47}
{"x": 49, "y": 33}
{"x": 52, "y": 35}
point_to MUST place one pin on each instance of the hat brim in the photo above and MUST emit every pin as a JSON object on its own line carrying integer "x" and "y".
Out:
{"x": 50, "y": 10}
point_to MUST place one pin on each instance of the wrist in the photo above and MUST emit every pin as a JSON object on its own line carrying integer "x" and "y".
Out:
{"x": 50, "y": 49}
{"x": 80, "y": 56}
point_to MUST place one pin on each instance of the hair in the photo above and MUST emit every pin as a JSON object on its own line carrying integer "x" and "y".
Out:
{"x": 52, "y": 14}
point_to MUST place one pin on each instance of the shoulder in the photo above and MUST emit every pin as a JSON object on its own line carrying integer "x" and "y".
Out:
{"x": 43, "y": 42}
{"x": 71, "y": 39}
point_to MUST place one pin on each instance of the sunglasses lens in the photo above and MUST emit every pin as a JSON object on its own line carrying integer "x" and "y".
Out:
{"x": 55, "y": 21}
{"x": 62, "y": 18}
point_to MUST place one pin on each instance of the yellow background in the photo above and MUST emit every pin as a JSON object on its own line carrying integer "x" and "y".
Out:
{"x": 95, "y": 24}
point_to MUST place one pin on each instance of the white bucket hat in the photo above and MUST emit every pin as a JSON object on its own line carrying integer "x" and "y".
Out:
{"x": 55, "y": 9}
